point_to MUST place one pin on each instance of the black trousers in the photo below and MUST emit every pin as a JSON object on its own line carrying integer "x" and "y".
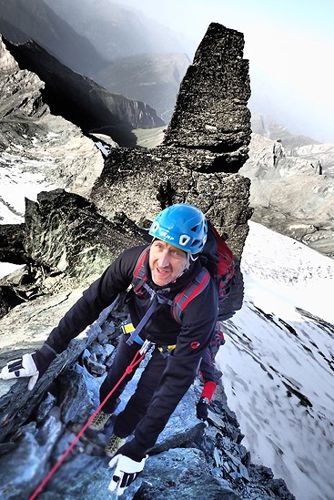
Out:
{"x": 137, "y": 405}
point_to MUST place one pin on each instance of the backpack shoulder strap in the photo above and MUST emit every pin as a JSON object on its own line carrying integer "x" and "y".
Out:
{"x": 191, "y": 291}
{"x": 139, "y": 274}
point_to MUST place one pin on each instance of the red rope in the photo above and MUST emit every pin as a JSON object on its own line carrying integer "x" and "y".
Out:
{"x": 56, "y": 466}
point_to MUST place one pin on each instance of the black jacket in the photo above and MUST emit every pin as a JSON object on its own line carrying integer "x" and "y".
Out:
{"x": 191, "y": 337}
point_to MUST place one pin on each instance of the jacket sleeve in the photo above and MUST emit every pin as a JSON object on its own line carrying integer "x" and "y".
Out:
{"x": 198, "y": 325}
{"x": 116, "y": 278}
{"x": 207, "y": 367}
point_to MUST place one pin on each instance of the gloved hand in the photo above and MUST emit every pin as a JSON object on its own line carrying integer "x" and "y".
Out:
{"x": 21, "y": 367}
{"x": 202, "y": 409}
{"x": 29, "y": 365}
{"x": 125, "y": 472}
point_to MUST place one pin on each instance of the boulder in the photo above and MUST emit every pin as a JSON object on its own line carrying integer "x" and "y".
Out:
{"x": 66, "y": 234}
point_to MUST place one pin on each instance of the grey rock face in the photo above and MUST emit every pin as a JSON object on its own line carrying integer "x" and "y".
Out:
{"x": 8, "y": 299}
{"x": 184, "y": 467}
{"x": 211, "y": 110}
{"x": 20, "y": 90}
{"x": 11, "y": 244}
{"x": 140, "y": 183}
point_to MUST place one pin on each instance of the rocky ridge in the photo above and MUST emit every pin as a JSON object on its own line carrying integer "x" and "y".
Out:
{"x": 187, "y": 459}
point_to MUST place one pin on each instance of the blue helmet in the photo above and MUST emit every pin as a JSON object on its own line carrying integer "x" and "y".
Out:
{"x": 183, "y": 226}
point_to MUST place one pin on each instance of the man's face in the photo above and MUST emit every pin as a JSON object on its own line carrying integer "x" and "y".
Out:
{"x": 166, "y": 262}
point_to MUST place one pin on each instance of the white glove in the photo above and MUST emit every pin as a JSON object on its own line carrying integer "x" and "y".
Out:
{"x": 125, "y": 472}
{"x": 21, "y": 367}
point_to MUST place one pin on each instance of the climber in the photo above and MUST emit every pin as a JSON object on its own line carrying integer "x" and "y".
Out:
{"x": 278, "y": 151}
{"x": 171, "y": 266}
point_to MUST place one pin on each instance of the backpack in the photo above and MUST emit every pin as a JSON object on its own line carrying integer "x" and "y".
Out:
{"x": 218, "y": 262}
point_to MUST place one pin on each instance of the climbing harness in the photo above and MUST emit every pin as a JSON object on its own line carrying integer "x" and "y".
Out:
{"x": 138, "y": 357}
{"x": 128, "y": 328}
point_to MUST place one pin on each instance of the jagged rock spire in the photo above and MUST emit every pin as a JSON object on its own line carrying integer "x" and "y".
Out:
{"x": 211, "y": 110}
{"x": 206, "y": 143}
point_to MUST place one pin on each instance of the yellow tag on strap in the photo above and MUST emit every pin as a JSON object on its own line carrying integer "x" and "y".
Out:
{"x": 128, "y": 328}
{"x": 169, "y": 348}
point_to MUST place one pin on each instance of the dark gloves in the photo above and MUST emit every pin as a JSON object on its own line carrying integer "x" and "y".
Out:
{"x": 202, "y": 408}
{"x": 29, "y": 365}
{"x": 127, "y": 464}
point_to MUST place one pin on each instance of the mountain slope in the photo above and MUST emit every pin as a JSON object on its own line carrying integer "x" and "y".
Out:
{"x": 37, "y": 149}
{"x": 35, "y": 20}
{"x": 82, "y": 101}
{"x": 277, "y": 361}
{"x": 292, "y": 198}
{"x": 152, "y": 78}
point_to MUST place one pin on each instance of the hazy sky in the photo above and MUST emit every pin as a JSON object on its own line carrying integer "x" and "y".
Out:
{"x": 290, "y": 46}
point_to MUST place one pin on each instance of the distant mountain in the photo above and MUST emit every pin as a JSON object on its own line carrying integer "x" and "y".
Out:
{"x": 121, "y": 49}
{"x": 117, "y": 30}
{"x": 152, "y": 78}
{"x": 147, "y": 61}
{"x": 266, "y": 126}
{"x": 35, "y": 20}
{"x": 82, "y": 101}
